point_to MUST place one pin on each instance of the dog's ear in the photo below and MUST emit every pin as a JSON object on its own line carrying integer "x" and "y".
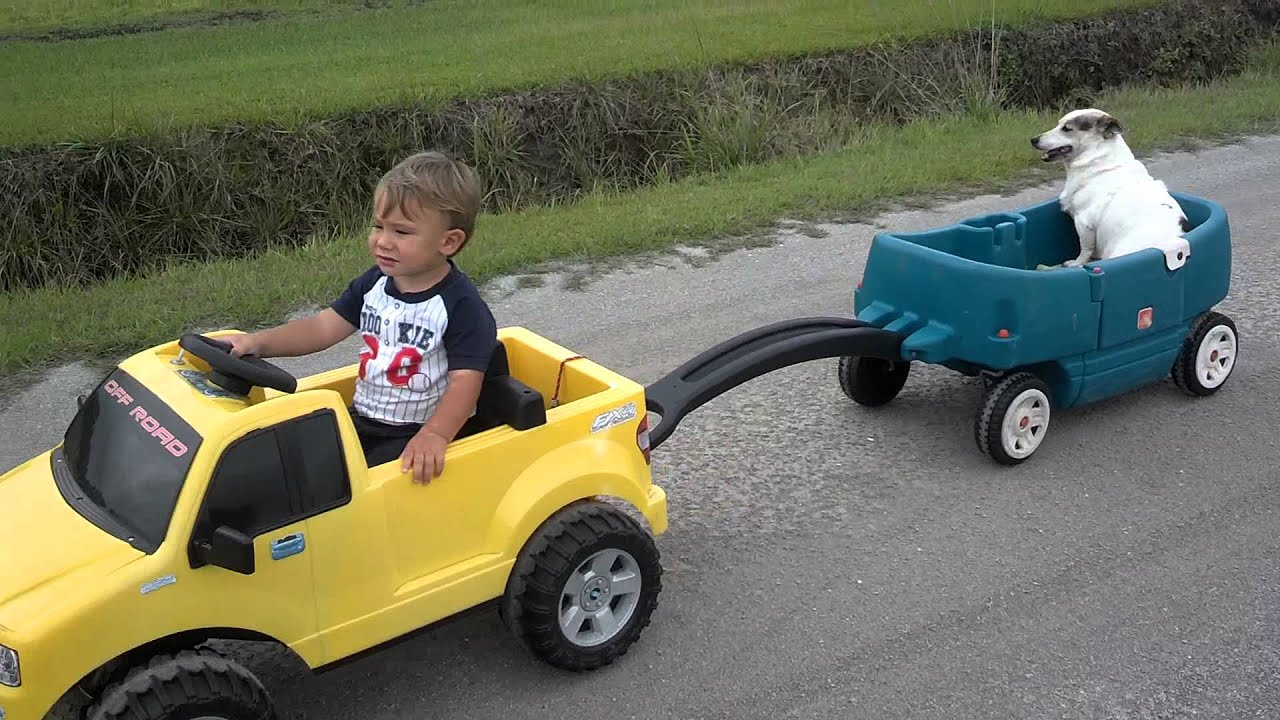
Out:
{"x": 1109, "y": 126}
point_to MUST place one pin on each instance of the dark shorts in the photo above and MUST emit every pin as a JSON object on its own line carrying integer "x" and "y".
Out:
{"x": 380, "y": 441}
{"x": 383, "y": 442}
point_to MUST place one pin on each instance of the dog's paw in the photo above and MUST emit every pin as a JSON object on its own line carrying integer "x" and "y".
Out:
{"x": 1043, "y": 267}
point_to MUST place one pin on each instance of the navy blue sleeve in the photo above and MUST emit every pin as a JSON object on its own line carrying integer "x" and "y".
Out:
{"x": 471, "y": 335}
{"x": 351, "y": 302}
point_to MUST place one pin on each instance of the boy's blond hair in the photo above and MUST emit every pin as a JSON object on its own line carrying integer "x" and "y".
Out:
{"x": 431, "y": 180}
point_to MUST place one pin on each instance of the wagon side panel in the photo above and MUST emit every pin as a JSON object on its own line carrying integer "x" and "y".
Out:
{"x": 1209, "y": 266}
{"x": 957, "y": 310}
{"x": 1148, "y": 309}
{"x": 1141, "y": 297}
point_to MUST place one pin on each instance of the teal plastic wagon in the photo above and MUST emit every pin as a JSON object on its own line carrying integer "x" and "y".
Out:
{"x": 967, "y": 296}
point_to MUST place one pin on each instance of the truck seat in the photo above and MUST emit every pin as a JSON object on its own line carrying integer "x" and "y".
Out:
{"x": 504, "y": 400}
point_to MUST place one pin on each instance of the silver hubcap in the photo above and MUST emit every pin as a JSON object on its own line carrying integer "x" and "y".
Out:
{"x": 600, "y": 597}
{"x": 1025, "y": 423}
{"x": 1216, "y": 356}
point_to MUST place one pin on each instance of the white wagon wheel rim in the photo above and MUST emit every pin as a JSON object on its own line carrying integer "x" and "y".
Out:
{"x": 1025, "y": 423}
{"x": 1216, "y": 356}
{"x": 600, "y": 597}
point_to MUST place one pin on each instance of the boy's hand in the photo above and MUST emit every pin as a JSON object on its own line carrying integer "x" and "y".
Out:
{"x": 423, "y": 454}
{"x": 425, "y": 451}
{"x": 247, "y": 344}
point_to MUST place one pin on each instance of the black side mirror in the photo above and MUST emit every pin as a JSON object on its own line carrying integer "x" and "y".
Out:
{"x": 228, "y": 548}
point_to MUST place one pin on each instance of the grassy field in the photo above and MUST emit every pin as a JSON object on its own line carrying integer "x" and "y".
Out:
{"x": 309, "y": 65}
{"x": 964, "y": 152}
{"x": 24, "y": 17}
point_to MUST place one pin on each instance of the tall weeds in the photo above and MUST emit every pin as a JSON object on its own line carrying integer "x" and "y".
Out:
{"x": 78, "y": 213}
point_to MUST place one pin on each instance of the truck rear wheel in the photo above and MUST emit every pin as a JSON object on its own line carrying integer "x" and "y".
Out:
{"x": 872, "y": 381}
{"x": 1208, "y": 355}
{"x": 190, "y": 685}
{"x": 584, "y": 587}
{"x": 1013, "y": 419}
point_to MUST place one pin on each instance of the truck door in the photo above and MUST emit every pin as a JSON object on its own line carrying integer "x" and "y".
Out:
{"x": 259, "y": 491}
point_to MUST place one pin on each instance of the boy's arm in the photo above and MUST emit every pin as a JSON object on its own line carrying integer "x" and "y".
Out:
{"x": 424, "y": 453}
{"x": 312, "y": 334}
{"x": 299, "y": 337}
{"x": 469, "y": 342}
{"x": 456, "y": 405}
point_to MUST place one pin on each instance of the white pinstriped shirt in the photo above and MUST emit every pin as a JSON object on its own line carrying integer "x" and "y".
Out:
{"x": 412, "y": 341}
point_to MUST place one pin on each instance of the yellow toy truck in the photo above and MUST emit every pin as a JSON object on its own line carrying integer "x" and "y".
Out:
{"x": 197, "y": 495}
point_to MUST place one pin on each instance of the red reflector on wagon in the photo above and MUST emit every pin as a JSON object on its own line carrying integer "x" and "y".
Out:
{"x": 1145, "y": 316}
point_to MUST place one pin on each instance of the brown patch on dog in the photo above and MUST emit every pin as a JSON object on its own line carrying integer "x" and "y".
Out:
{"x": 1099, "y": 122}
{"x": 1110, "y": 127}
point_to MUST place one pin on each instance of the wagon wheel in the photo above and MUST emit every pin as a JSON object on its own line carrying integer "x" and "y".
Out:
{"x": 1208, "y": 355}
{"x": 872, "y": 381}
{"x": 1013, "y": 419}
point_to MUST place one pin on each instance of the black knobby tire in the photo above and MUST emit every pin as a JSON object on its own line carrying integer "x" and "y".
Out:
{"x": 872, "y": 381}
{"x": 189, "y": 684}
{"x": 988, "y": 426}
{"x": 1184, "y": 373}
{"x": 535, "y": 593}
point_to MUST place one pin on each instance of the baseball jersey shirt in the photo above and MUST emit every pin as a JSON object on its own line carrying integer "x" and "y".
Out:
{"x": 412, "y": 341}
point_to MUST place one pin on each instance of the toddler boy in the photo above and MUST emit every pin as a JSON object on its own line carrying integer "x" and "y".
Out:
{"x": 428, "y": 335}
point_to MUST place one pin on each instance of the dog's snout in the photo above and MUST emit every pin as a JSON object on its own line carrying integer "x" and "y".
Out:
{"x": 1035, "y": 141}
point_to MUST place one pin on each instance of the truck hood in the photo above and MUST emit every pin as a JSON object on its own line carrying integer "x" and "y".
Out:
{"x": 48, "y": 551}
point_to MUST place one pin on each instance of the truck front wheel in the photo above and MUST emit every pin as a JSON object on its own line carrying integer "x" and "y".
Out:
{"x": 584, "y": 587}
{"x": 190, "y": 684}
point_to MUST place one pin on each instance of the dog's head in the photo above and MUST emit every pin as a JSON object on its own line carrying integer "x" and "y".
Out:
{"x": 1076, "y": 133}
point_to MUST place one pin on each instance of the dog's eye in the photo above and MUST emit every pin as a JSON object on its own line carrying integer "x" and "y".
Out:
{"x": 1066, "y": 129}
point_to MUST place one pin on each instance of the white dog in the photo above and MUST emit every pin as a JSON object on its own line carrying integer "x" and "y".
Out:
{"x": 1117, "y": 207}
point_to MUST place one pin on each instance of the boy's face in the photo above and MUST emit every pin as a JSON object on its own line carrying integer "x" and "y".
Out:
{"x": 412, "y": 247}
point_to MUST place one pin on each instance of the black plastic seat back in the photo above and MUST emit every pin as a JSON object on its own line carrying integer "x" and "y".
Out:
{"x": 505, "y": 400}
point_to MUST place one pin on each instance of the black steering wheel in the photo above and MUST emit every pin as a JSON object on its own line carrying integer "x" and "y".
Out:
{"x": 236, "y": 374}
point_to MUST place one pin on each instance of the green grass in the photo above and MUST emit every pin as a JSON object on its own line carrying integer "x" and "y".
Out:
{"x": 34, "y": 16}
{"x": 311, "y": 65}
{"x": 924, "y": 158}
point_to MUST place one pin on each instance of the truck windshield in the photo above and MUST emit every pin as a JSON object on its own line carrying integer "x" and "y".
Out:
{"x": 127, "y": 455}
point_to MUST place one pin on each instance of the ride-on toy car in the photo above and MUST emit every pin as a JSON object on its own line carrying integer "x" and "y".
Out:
{"x": 198, "y": 495}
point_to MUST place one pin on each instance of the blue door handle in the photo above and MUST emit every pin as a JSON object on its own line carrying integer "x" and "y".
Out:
{"x": 288, "y": 545}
